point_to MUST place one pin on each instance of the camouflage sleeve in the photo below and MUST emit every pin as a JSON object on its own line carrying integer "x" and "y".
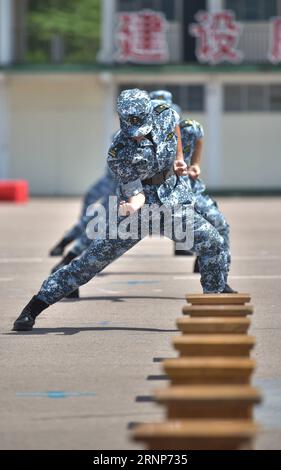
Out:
{"x": 199, "y": 130}
{"x": 191, "y": 128}
{"x": 176, "y": 117}
{"x": 125, "y": 171}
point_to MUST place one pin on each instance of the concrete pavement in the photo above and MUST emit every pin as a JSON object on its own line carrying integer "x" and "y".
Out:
{"x": 94, "y": 355}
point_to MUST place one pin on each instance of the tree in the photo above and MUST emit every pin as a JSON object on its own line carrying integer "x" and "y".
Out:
{"x": 73, "y": 25}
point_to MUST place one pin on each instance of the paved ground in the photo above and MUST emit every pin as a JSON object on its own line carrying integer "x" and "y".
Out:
{"x": 104, "y": 345}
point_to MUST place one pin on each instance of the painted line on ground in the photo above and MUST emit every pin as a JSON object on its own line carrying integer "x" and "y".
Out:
{"x": 256, "y": 258}
{"x": 257, "y": 277}
{"x": 107, "y": 291}
{"x": 55, "y": 394}
{"x": 21, "y": 260}
{"x": 135, "y": 283}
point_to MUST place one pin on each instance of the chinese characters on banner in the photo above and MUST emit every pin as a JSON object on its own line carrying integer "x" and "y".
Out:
{"x": 275, "y": 41}
{"x": 217, "y": 37}
{"x": 141, "y": 37}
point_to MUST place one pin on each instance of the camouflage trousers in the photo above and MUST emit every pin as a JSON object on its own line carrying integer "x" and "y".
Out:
{"x": 208, "y": 208}
{"x": 207, "y": 243}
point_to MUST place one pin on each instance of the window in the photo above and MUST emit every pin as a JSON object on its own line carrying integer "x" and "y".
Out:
{"x": 188, "y": 97}
{"x": 252, "y": 98}
{"x": 252, "y": 10}
{"x": 256, "y": 98}
{"x": 275, "y": 97}
{"x": 232, "y": 98}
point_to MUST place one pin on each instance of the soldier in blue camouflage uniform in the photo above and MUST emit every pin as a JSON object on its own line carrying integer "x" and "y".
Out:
{"x": 192, "y": 134}
{"x": 99, "y": 191}
{"x": 165, "y": 96}
{"x": 82, "y": 240}
{"x": 146, "y": 157}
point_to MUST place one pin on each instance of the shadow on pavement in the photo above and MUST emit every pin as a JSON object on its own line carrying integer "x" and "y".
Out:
{"x": 121, "y": 298}
{"x": 74, "y": 331}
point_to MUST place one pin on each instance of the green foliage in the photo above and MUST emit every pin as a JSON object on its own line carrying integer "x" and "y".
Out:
{"x": 77, "y": 22}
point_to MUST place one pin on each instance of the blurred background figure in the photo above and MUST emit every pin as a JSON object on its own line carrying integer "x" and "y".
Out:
{"x": 100, "y": 192}
{"x": 64, "y": 62}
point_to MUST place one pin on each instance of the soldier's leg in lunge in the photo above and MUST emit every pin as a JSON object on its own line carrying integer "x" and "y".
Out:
{"x": 84, "y": 240}
{"x": 58, "y": 285}
{"x": 210, "y": 211}
{"x": 217, "y": 219}
{"x": 209, "y": 246}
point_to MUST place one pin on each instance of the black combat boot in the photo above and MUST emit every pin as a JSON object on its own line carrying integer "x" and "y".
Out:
{"x": 59, "y": 248}
{"x": 27, "y": 317}
{"x": 229, "y": 290}
{"x": 66, "y": 260}
{"x": 196, "y": 266}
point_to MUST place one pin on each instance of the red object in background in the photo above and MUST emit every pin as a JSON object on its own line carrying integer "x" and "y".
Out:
{"x": 14, "y": 190}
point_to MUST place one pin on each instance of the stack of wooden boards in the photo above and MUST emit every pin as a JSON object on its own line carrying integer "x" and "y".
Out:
{"x": 209, "y": 402}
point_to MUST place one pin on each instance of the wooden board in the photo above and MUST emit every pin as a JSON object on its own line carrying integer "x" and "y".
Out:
{"x": 206, "y": 370}
{"x": 208, "y": 401}
{"x": 197, "y": 434}
{"x": 214, "y": 345}
{"x": 217, "y": 310}
{"x": 213, "y": 325}
{"x": 218, "y": 299}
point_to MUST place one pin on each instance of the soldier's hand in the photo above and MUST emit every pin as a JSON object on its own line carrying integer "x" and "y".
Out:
{"x": 194, "y": 171}
{"x": 180, "y": 168}
{"x": 133, "y": 205}
{"x": 126, "y": 208}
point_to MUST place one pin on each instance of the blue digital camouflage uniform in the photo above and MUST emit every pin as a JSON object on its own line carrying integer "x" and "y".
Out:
{"x": 100, "y": 192}
{"x": 191, "y": 132}
{"x": 165, "y": 96}
{"x": 107, "y": 186}
{"x": 132, "y": 163}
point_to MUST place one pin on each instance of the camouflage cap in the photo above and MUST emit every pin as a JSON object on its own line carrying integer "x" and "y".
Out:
{"x": 134, "y": 108}
{"x": 165, "y": 96}
{"x": 162, "y": 95}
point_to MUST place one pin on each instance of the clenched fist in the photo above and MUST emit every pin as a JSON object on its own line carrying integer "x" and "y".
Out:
{"x": 180, "y": 168}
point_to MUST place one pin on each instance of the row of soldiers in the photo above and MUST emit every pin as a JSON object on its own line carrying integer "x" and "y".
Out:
{"x": 154, "y": 159}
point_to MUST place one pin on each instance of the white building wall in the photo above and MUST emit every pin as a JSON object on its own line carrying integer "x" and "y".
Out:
{"x": 4, "y": 127}
{"x": 61, "y": 126}
{"x": 59, "y": 132}
{"x": 251, "y": 150}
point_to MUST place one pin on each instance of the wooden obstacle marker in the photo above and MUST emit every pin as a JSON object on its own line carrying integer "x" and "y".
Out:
{"x": 218, "y": 299}
{"x": 213, "y": 325}
{"x": 214, "y": 345}
{"x": 209, "y": 404}
{"x": 197, "y": 435}
{"x": 206, "y": 370}
{"x": 217, "y": 310}
{"x": 208, "y": 401}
